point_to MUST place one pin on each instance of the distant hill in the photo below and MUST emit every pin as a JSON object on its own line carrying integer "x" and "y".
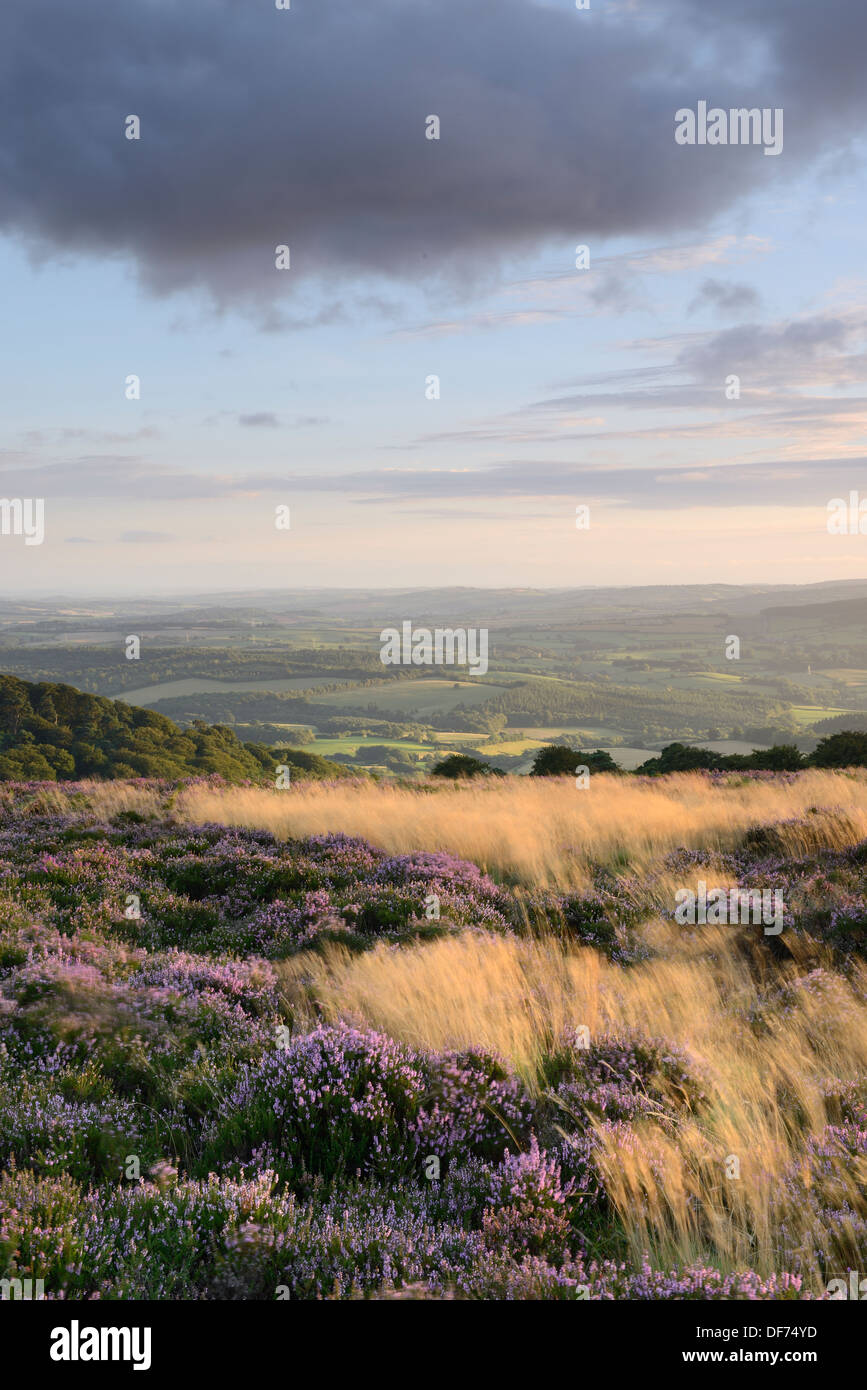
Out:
{"x": 842, "y": 723}
{"x": 51, "y": 732}
{"x": 842, "y": 611}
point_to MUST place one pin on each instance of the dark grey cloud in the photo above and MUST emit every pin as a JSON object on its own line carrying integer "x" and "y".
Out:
{"x": 306, "y": 127}
{"x": 727, "y": 297}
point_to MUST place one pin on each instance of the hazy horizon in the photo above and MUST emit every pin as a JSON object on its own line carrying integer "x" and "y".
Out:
{"x": 144, "y": 594}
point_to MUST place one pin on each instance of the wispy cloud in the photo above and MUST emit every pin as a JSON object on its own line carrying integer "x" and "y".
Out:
{"x": 145, "y": 537}
{"x": 729, "y": 297}
{"x": 262, "y": 419}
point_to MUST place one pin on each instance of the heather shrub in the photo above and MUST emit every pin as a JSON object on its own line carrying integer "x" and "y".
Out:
{"x": 168, "y": 919}
{"x": 499, "y": 1276}
{"x": 41, "y": 1232}
{"x": 168, "y": 1037}
{"x": 341, "y": 861}
{"x": 279, "y": 928}
{"x": 472, "y": 1108}
{"x": 141, "y": 1240}
{"x": 622, "y": 1078}
{"x": 210, "y": 889}
{"x": 60, "y": 1122}
{"x": 823, "y": 1227}
{"x": 695, "y": 1282}
{"x": 351, "y": 1245}
{"x": 336, "y": 1102}
{"x": 527, "y": 1211}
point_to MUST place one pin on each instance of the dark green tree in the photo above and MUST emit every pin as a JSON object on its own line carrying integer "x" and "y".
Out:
{"x": 846, "y": 749}
{"x": 557, "y": 761}
{"x": 460, "y": 767}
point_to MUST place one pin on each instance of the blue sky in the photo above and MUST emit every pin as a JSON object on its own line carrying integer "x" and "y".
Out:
{"x": 559, "y": 387}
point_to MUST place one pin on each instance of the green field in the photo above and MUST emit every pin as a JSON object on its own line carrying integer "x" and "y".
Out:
{"x": 512, "y": 748}
{"x": 848, "y": 676}
{"x": 413, "y": 698}
{"x": 327, "y": 747}
{"x": 200, "y": 685}
{"x": 806, "y": 715}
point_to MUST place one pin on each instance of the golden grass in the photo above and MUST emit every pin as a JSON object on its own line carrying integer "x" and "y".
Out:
{"x": 102, "y": 798}
{"x": 546, "y": 831}
{"x": 766, "y": 1100}
{"x": 764, "y": 1088}
{"x": 509, "y": 994}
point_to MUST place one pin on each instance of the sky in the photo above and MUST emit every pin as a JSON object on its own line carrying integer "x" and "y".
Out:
{"x": 309, "y": 387}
